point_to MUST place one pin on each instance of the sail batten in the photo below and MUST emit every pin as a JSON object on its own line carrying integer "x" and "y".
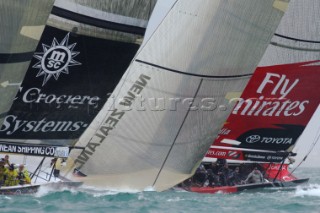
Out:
{"x": 191, "y": 74}
{"x": 101, "y": 23}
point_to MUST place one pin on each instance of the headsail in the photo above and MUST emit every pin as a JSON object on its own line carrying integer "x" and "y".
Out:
{"x": 162, "y": 121}
{"x": 281, "y": 97}
{"x": 84, "y": 51}
{"x": 22, "y": 23}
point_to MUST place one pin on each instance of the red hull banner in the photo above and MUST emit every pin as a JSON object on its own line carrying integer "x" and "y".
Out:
{"x": 273, "y": 110}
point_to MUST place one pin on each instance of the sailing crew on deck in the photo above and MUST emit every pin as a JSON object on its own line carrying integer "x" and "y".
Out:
{"x": 6, "y": 159}
{"x": 224, "y": 175}
{"x": 213, "y": 176}
{"x": 200, "y": 176}
{"x": 3, "y": 172}
{"x": 23, "y": 175}
{"x": 255, "y": 176}
{"x": 11, "y": 176}
{"x": 236, "y": 177}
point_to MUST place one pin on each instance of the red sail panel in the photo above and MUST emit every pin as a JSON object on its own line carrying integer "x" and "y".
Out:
{"x": 274, "y": 108}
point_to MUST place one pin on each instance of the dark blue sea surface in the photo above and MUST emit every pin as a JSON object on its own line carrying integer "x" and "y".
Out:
{"x": 305, "y": 198}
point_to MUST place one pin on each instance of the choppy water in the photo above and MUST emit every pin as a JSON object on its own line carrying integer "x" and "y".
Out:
{"x": 300, "y": 199}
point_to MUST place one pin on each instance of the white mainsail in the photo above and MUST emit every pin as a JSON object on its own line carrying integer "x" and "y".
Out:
{"x": 201, "y": 49}
{"x": 22, "y": 23}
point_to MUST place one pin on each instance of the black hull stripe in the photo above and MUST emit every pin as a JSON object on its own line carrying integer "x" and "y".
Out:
{"x": 97, "y": 22}
{"x": 192, "y": 74}
{"x": 296, "y": 39}
{"x": 15, "y": 57}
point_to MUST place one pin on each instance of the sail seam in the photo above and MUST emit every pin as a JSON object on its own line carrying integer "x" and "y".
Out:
{"x": 174, "y": 141}
{"x": 193, "y": 74}
{"x": 15, "y": 57}
{"x": 97, "y": 22}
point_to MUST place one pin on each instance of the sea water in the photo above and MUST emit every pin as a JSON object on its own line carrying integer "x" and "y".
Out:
{"x": 304, "y": 198}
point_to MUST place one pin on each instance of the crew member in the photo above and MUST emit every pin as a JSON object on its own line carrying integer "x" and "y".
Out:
{"x": 255, "y": 176}
{"x": 11, "y": 176}
{"x": 6, "y": 160}
{"x": 23, "y": 175}
{"x": 3, "y": 172}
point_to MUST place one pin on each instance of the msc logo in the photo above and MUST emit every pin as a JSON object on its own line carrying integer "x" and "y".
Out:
{"x": 253, "y": 138}
{"x": 56, "y": 59}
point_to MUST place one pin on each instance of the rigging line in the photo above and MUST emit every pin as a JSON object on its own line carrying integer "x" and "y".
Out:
{"x": 293, "y": 47}
{"x": 310, "y": 150}
{"x": 192, "y": 74}
{"x": 174, "y": 141}
{"x": 296, "y": 39}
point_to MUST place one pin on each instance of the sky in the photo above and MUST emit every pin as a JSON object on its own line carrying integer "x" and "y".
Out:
{"x": 307, "y": 138}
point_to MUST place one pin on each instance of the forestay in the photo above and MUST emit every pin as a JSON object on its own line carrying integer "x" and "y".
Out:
{"x": 173, "y": 99}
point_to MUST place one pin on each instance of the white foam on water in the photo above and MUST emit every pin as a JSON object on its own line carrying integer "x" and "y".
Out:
{"x": 47, "y": 189}
{"x": 176, "y": 199}
{"x": 149, "y": 189}
{"x": 99, "y": 192}
{"x": 311, "y": 190}
{"x": 43, "y": 191}
{"x": 94, "y": 191}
